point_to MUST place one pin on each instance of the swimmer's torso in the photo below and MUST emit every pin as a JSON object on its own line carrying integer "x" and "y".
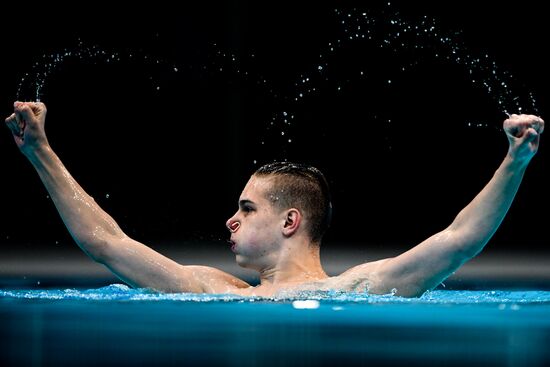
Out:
{"x": 357, "y": 279}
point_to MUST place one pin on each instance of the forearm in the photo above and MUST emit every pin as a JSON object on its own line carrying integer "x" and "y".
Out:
{"x": 88, "y": 224}
{"x": 479, "y": 220}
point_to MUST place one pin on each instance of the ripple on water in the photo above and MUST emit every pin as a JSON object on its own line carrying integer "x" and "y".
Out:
{"x": 121, "y": 292}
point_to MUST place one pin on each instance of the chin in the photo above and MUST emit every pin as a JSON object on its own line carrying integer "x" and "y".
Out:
{"x": 243, "y": 262}
{"x": 239, "y": 259}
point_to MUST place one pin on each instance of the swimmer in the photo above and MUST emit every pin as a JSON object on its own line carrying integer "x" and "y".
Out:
{"x": 283, "y": 213}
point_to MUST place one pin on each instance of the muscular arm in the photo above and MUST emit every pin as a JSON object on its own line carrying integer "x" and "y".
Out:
{"x": 432, "y": 261}
{"x": 99, "y": 236}
{"x": 95, "y": 231}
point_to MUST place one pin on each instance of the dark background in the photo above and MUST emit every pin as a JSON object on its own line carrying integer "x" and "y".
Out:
{"x": 169, "y": 163}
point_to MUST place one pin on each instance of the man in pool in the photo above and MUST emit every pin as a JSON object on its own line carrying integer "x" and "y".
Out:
{"x": 282, "y": 215}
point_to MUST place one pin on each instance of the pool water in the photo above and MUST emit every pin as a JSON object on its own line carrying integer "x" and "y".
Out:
{"x": 117, "y": 325}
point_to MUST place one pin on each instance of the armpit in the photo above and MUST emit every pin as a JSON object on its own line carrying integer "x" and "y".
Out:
{"x": 361, "y": 278}
{"x": 212, "y": 280}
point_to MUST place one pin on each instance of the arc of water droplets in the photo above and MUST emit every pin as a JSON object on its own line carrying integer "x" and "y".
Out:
{"x": 49, "y": 63}
{"x": 427, "y": 35}
{"x": 390, "y": 31}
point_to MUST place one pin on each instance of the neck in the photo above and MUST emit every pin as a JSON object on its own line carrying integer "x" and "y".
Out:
{"x": 298, "y": 262}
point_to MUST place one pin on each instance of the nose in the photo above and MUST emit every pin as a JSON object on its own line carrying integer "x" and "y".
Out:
{"x": 232, "y": 225}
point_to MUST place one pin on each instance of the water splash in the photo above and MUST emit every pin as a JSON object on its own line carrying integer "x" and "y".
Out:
{"x": 121, "y": 292}
{"x": 413, "y": 42}
{"x": 32, "y": 84}
{"x": 426, "y": 38}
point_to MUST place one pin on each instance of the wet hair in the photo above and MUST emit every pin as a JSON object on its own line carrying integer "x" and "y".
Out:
{"x": 303, "y": 187}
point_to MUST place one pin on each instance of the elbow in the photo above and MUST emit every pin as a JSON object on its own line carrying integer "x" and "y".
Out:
{"x": 95, "y": 250}
{"x": 467, "y": 249}
{"x": 465, "y": 244}
{"x": 98, "y": 249}
{"x": 98, "y": 243}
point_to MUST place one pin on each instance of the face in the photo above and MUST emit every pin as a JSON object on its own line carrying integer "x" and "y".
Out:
{"x": 255, "y": 227}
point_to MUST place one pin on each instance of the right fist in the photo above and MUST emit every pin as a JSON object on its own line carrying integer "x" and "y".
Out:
{"x": 27, "y": 125}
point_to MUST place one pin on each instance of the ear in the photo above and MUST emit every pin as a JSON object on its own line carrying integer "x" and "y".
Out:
{"x": 293, "y": 218}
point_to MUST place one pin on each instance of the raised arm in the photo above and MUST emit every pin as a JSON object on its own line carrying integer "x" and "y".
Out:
{"x": 94, "y": 230}
{"x": 432, "y": 261}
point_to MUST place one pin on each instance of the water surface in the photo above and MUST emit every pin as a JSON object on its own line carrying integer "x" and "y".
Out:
{"x": 117, "y": 325}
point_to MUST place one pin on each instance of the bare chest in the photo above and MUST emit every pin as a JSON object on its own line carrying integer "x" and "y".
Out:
{"x": 337, "y": 283}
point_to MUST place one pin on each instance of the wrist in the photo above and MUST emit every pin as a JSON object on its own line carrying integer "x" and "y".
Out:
{"x": 515, "y": 163}
{"x": 37, "y": 153}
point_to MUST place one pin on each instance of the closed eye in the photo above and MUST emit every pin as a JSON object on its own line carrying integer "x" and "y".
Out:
{"x": 247, "y": 209}
{"x": 246, "y": 206}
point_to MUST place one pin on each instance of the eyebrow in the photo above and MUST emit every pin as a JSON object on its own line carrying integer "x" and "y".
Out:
{"x": 245, "y": 202}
